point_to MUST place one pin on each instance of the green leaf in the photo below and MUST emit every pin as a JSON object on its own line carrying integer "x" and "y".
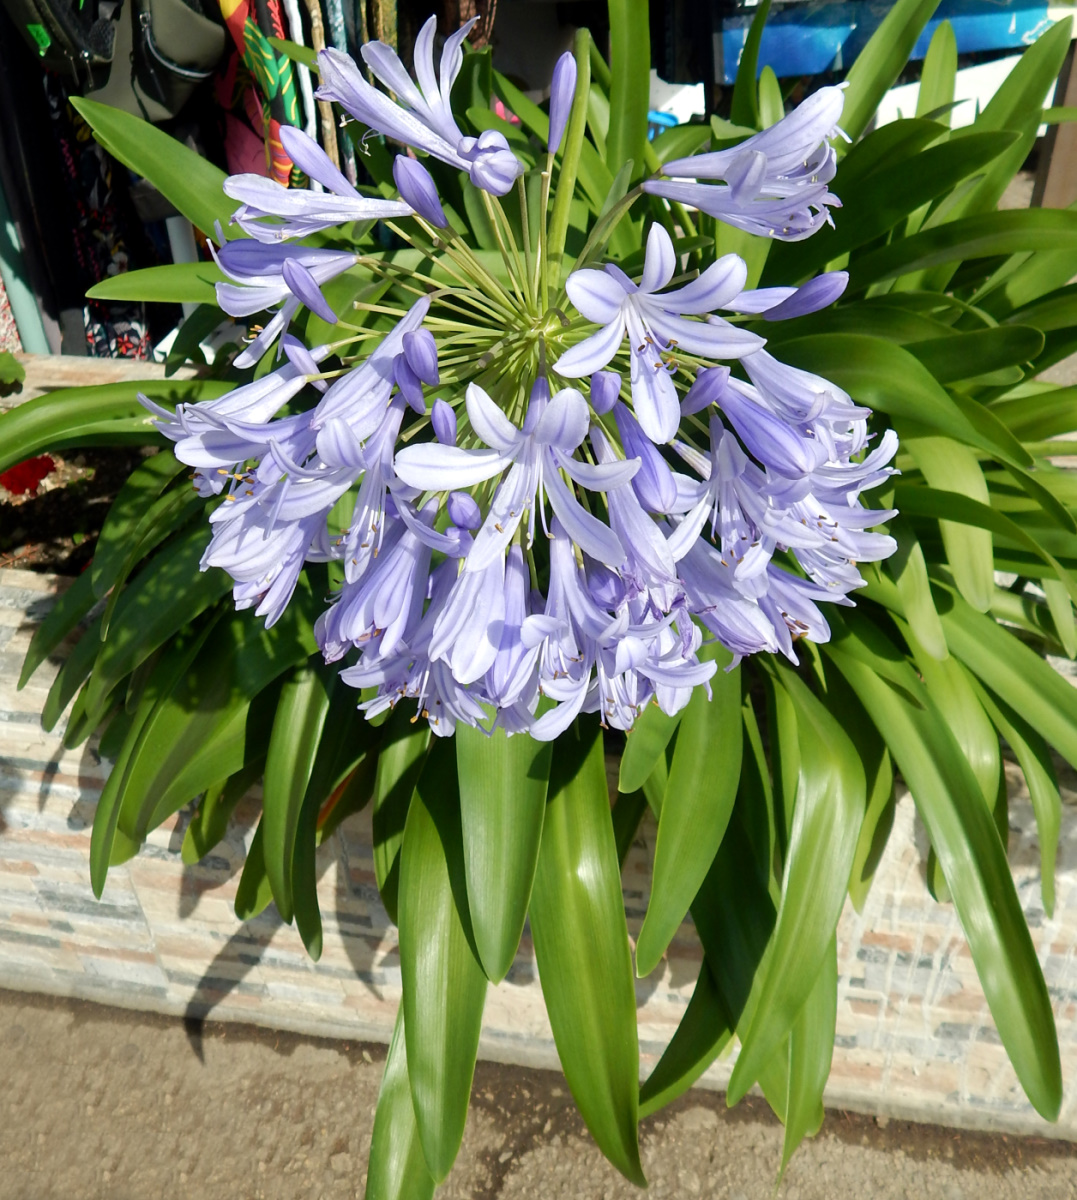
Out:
{"x": 1039, "y": 772}
{"x": 72, "y": 675}
{"x": 703, "y": 1033}
{"x": 169, "y": 669}
{"x": 627, "y": 814}
{"x": 210, "y": 822}
{"x": 293, "y": 746}
{"x": 966, "y": 355}
{"x": 400, "y": 762}
{"x": 744, "y": 109}
{"x": 771, "y": 103}
{"x": 969, "y": 550}
{"x": 192, "y": 183}
{"x": 811, "y": 1048}
{"x": 444, "y": 987}
{"x": 118, "y": 537}
{"x": 877, "y": 202}
{"x": 883, "y": 376}
{"x": 581, "y": 945}
{"x": 964, "y": 837}
{"x": 909, "y": 571}
{"x": 109, "y": 415}
{"x": 681, "y": 141}
{"x": 703, "y": 778}
{"x": 881, "y": 61}
{"x": 177, "y": 283}
{"x": 166, "y": 594}
{"x": 630, "y": 81}
{"x": 876, "y": 826}
{"x": 503, "y": 783}
{"x": 253, "y": 893}
{"x": 1010, "y": 669}
{"x": 645, "y": 745}
{"x": 69, "y": 609}
{"x": 939, "y": 75}
{"x": 829, "y": 809}
{"x": 396, "y": 1168}
{"x": 305, "y": 55}
{"x": 1013, "y": 231}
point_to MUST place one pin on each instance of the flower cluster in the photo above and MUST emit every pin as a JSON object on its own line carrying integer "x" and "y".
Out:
{"x": 535, "y": 509}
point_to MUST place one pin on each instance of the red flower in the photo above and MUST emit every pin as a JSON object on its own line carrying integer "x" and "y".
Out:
{"x": 25, "y": 476}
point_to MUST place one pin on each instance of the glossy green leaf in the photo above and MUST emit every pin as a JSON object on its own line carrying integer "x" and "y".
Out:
{"x": 964, "y": 837}
{"x": 253, "y": 893}
{"x": 811, "y": 1048}
{"x": 645, "y": 745}
{"x": 1013, "y": 231}
{"x": 68, "y": 610}
{"x": 939, "y": 74}
{"x": 444, "y": 987}
{"x": 744, "y": 107}
{"x": 966, "y": 355}
{"x": 503, "y": 783}
{"x": 703, "y": 778}
{"x": 881, "y": 61}
{"x": 169, "y": 669}
{"x": 630, "y": 81}
{"x": 1039, "y": 772}
{"x": 186, "y": 283}
{"x": 167, "y": 593}
{"x": 118, "y": 533}
{"x": 1011, "y": 670}
{"x": 703, "y": 1033}
{"x": 830, "y": 804}
{"x": 969, "y": 550}
{"x": 681, "y": 141}
{"x": 876, "y": 826}
{"x": 396, "y": 1168}
{"x": 400, "y": 762}
{"x": 72, "y": 675}
{"x": 192, "y": 183}
{"x": 908, "y": 568}
{"x": 210, "y": 821}
{"x": 627, "y": 814}
{"x": 109, "y": 414}
{"x": 883, "y": 376}
{"x": 293, "y": 746}
{"x": 581, "y": 945}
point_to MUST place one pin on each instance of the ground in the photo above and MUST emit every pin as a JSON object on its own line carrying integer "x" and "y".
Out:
{"x": 105, "y": 1104}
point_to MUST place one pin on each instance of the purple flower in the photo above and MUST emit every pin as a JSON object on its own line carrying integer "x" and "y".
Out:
{"x": 414, "y": 182}
{"x": 302, "y": 212}
{"x": 774, "y": 183}
{"x": 423, "y": 118}
{"x": 562, "y": 89}
{"x": 656, "y": 324}
{"x": 266, "y": 275}
{"x": 783, "y": 304}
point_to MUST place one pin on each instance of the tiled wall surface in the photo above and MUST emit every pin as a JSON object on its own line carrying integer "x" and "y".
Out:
{"x": 914, "y": 1035}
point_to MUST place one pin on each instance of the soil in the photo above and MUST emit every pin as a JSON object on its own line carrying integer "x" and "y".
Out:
{"x": 55, "y": 527}
{"x": 106, "y": 1103}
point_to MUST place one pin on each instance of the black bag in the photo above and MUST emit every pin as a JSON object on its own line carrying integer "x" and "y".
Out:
{"x": 143, "y": 56}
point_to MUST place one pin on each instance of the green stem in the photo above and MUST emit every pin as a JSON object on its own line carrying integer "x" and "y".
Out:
{"x": 570, "y": 160}
{"x": 525, "y": 226}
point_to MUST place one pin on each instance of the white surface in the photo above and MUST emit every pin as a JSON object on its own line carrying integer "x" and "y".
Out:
{"x": 682, "y": 100}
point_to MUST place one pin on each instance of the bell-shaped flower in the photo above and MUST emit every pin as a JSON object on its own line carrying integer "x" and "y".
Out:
{"x": 773, "y": 184}
{"x": 299, "y": 212}
{"x": 657, "y": 325}
{"x": 266, "y": 275}
{"x": 423, "y": 118}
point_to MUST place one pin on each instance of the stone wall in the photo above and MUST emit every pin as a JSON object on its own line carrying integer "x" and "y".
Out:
{"x": 914, "y": 1036}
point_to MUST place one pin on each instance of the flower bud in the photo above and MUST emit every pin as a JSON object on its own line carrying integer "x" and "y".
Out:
{"x": 706, "y": 389}
{"x": 562, "y": 90}
{"x": 415, "y": 185}
{"x": 605, "y": 388}
{"x": 464, "y": 511}
{"x": 443, "y": 419}
{"x": 421, "y": 351}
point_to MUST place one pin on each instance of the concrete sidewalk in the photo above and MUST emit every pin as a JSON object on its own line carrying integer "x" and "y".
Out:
{"x": 105, "y": 1103}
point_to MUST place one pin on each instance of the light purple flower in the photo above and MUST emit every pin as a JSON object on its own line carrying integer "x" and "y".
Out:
{"x": 258, "y": 282}
{"x": 656, "y": 324}
{"x": 562, "y": 89}
{"x": 300, "y": 212}
{"x": 423, "y": 118}
{"x": 774, "y": 183}
{"x": 414, "y": 182}
{"x": 783, "y": 304}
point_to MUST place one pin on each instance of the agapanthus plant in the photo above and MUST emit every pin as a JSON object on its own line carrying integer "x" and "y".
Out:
{"x": 515, "y": 551}
{"x": 557, "y": 445}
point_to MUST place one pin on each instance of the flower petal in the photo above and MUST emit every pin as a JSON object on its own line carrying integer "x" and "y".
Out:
{"x": 660, "y": 261}
{"x": 590, "y": 355}
{"x": 489, "y": 422}
{"x": 564, "y": 422}
{"x": 436, "y": 468}
{"x": 593, "y": 536}
{"x": 597, "y": 296}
